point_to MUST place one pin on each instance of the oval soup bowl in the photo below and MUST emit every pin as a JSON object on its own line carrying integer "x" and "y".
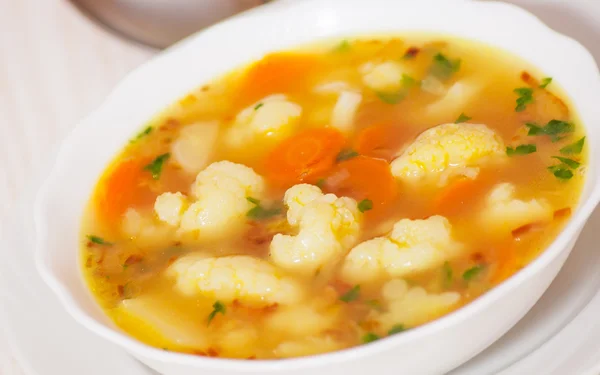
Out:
{"x": 433, "y": 348}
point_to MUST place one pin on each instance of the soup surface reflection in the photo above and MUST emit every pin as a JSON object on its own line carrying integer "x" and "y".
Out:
{"x": 331, "y": 196}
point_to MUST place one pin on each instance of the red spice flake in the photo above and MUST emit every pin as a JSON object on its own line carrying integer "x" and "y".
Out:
{"x": 171, "y": 260}
{"x": 133, "y": 259}
{"x": 526, "y": 229}
{"x": 177, "y": 243}
{"x": 212, "y": 352}
{"x": 169, "y": 124}
{"x": 199, "y": 352}
{"x": 252, "y": 357}
{"x": 478, "y": 257}
{"x": 88, "y": 262}
{"x": 528, "y": 79}
{"x": 562, "y": 213}
{"x": 411, "y": 52}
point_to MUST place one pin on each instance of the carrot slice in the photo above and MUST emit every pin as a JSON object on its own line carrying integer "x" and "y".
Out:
{"x": 304, "y": 157}
{"x": 363, "y": 177}
{"x": 281, "y": 72}
{"x": 379, "y": 141}
{"x": 506, "y": 262}
{"x": 121, "y": 189}
{"x": 454, "y": 196}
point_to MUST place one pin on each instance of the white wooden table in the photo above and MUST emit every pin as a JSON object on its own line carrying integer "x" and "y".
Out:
{"x": 56, "y": 66}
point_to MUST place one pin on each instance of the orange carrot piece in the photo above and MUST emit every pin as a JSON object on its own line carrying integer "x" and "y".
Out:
{"x": 454, "y": 196}
{"x": 506, "y": 262}
{"x": 304, "y": 157}
{"x": 280, "y": 72}
{"x": 379, "y": 141}
{"x": 363, "y": 177}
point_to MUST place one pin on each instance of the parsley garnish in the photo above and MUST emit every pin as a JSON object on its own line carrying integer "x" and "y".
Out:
{"x": 253, "y": 200}
{"x": 98, "y": 240}
{"x": 365, "y": 205}
{"x": 396, "y": 96}
{"x": 462, "y": 118}
{"x": 142, "y": 134}
{"x": 396, "y": 329}
{"x": 561, "y": 172}
{"x": 554, "y": 128}
{"x": 370, "y": 337}
{"x": 155, "y": 167}
{"x": 345, "y": 155}
{"x": 351, "y": 295}
{"x": 525, "y": 97}
{"x": 568, "y": 162}
{"x": 521, "y": 150}
{"x": 573, "y": 148}
{"x": 443, "y": 67}
{"x": 258, "y": 106}
{"x": 258, "y": 212}
{"x": 218, "y": 308}
{"x": 344, "y": 46}
{"x": 472, "y": 272}
{"x": 545, "y": 82}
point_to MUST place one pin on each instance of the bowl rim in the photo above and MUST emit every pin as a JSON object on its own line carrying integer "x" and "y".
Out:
{"x": 42, "y": 252}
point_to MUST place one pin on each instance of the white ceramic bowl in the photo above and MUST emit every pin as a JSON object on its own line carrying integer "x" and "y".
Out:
{"x": 431, "y": 349}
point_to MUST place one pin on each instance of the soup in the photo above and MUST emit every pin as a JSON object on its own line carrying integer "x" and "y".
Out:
{"x": 331, "y": 196}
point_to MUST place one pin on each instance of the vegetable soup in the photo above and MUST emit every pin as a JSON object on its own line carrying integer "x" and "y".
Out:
{"x": 331, "y": 196}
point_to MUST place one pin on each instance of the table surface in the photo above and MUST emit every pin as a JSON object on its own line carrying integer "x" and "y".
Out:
{"x": 56, "y": 66}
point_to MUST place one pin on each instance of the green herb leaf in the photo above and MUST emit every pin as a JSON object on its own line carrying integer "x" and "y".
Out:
{"x": 472, "y": 272}
{"x": 345, "y": 155}
{"x": 98, "y": 240}
{"x": 447, "y": 274}
{"x": 443, "y": 68}
{"x": 351, "y": 295}
{"x": 320, "y": 183}
{"x": 560, "y": 172}
{"x": 344, "y": 46}
{"x": 545, "y": 82}
{"x": 365, "y": 205}
{"x": 525, "y": 97}
{"x": 462, "y": 118}
{"x": 554, "y": 128}
{"x": 142, "y": 134}
{"x": 370, "y": 337}
{"x": 408, "y": 81}
{"x": 253, "y": 200}
{"x": 397, "y": 328}
{"x": 521, "y": 150}
{"x": 568, "y": 162}
{"x": 573, "y": 148}
{"x": 258, "y": 212}
{"x": 391, "y": 97}
{"x": 218, "y": 308}
{"x": 258, "y": 106}
{"x": 375, "y": 304}
{"x": 155, "y": 167}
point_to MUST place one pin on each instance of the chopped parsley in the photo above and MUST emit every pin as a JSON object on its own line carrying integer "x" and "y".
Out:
{"x": 395, "y": 97}
{"x": 258, "y": 212}
{"x": 554, "y": 129}
{"x": 218, "y": 308}
{"x": 573, "y": 148}
{"x": 462, "y": 118}
{"x": 397, "y": 328}
{"x": 370, "y": 337}
{"x": 98, "y": 240}
{"x": 365, "y": 205}
{"x": 568, "y": 162}
{"x": 521, "y": 150}
{"x": 443, "y": 68}
{"x": 320, "y": 183}
{"x": 561, "y": 172}
{"x": 525, "y": 97}
{"x": 253, "y": 200}
{"x": 351, "y": 295}
{"x": 345, "y": 155}
{"x": 472, "y": 272}
{"x": 545, "y": 82}
{"x": 448, "y": 274}
{"x": 344, "y": 46}
{"x": 258, "y": 106}
{"x": 156, "y": 166}
{"x": 142, "y": 134}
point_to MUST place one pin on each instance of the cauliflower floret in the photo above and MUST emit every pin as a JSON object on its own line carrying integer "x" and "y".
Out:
{"x": 412, "y": 306}
{"x": 309, "y": 319}
{"x": 145, "y": 230}
{"x": 218, "y": 201}
{"x": 386, "y": 76}
{"x": 245, "y": 278}
{"x": 273, "y": 117}
{"x": 345, "y": 109}
{"x": 308, "y": 346}
{"x": 412, "y": 246}
{"x": 447, "y": 146}
{"x": 503, "y": 212}
{"x": 194, "y": 146}
{"x": 328, "y": 225}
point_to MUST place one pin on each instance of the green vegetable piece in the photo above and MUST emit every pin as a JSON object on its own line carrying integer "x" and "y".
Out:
{"x": 142, "y": 134}
{"x": 391, "y": 97}
{"x": 545, "y": 82}
{"x": 561, "y": 172}
{"x": 253, "y": 200}
{"x": 568, "y": 162}
{"x": 525, "y": 97}
{"x": 521, "y": 150}
{"x": 573, "y": 148}
{"x": 98, "y": 240}
{"x": 397, "y": 328}
{"x": 345, "y": 155}
{"x": 443, "y": 68}
{"x": 554, "y": 128}
{"x": 472, "y": 272}
{"x": 370, "y": 337}
{"x": 258, "y": 212}
{"x": 344, "y": 46}
{"x": 320, "y": 183}
{"x": 218, "y": 308}
{"x": 156, "y": 166}
{"x": 351, "y": 295}
{"x": 462, "y": 118}
{"x": 365, "y": 205}
{"x": 258, "y": 106}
